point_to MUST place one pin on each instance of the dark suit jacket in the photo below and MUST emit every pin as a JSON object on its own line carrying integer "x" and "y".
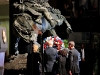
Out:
{"x": 74, "y": 61}
{"x": 32, "y": 63}
{"x": 62, "y": 65}
{"x": 49, "y": 58}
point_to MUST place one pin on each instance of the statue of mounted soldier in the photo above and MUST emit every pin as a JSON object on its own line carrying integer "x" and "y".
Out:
{"x": 35, "y": 17}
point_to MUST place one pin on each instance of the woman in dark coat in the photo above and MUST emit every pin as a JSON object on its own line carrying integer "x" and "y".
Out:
{"x": 34, "y": 60}
{"x": 62, "y": 63}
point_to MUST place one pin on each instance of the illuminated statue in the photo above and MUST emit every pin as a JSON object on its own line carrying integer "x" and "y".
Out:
{"x": 35, "y": 16}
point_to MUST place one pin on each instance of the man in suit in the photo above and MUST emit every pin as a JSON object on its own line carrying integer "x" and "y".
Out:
{"x": 50, "y": 55}
{"x": 74, "y": 58}
{"x": 82, "y": 62}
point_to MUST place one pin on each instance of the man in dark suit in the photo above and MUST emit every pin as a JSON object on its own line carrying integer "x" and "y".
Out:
{"x": 50, "y": 54}
{"x": 82, "y": 62}
{"x": 74, "y": 58}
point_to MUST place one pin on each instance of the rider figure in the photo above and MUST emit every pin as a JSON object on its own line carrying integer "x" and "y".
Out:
{"x": 37, "y": 9}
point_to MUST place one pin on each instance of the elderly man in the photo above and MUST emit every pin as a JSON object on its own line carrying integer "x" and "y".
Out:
{"x": 50, "y": 55}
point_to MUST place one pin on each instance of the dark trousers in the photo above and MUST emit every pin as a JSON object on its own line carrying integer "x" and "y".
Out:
{"x": 49, "y": 73}
{"x": 82, "y": 68}
{"x": 75, "y": 74}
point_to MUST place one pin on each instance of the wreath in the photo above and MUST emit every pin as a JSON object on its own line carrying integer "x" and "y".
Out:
{"x": 57, "y": 42}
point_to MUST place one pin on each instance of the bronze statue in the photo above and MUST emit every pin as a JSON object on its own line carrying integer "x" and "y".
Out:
{"x": 36, "y": 13}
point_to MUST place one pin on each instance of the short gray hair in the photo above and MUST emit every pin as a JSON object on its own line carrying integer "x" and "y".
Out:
{"x": 36, "y": 43}
{"x": 71, "y": 43}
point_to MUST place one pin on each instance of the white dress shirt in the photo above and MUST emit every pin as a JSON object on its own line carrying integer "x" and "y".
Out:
{"x": 83, "y": 53}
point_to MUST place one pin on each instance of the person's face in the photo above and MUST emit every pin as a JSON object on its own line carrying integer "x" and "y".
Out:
{"x": 82, "y": 46}
{"x": 35, "y": 48}
{"x": 69, "y": 46}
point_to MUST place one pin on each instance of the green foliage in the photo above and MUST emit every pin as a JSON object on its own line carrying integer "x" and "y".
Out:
{"x": 65, "y": 43}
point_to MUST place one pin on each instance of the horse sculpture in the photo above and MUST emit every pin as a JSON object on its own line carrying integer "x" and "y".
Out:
{"x": 37, "y": 16}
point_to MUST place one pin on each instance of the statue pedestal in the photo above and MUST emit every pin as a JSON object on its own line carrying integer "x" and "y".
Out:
{"x": 3, "y": 48}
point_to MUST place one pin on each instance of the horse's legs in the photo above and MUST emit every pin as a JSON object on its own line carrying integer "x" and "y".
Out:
{"x": 52, "y": 31}
{"x": 69, "y": 29}
{"x": 63, "y": 19}
{"x": 68, "y": 25}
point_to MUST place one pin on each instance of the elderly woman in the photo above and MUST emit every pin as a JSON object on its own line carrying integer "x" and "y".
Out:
{"x": 34, "y": 60}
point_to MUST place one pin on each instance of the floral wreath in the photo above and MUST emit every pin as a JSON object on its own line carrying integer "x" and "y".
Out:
{"x": 58, "y": 42}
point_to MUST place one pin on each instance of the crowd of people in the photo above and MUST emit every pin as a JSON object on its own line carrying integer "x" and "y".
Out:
{"x": 65, "y": 61}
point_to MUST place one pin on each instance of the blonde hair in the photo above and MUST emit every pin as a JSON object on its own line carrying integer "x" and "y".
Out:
{"x": 36, "y": 47}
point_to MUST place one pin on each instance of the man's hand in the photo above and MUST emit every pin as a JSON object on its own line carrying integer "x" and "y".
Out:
{"x": 70, "y": 73}
{"x": 83, "y": 59}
